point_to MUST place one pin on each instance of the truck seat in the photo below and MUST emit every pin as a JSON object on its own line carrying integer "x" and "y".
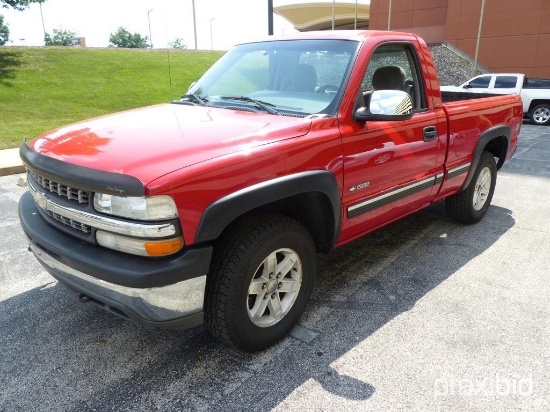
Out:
{"x": 303, "y": 78}
{"x": 389, "y": 78}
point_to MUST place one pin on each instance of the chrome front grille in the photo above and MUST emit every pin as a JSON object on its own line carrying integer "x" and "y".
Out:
{"x": 70, "y": 222}
{"x": 71, "y": 193}
{"x": 84, "y": 220}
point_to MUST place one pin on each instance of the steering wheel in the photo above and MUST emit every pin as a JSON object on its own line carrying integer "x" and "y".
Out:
{"x": 327, "y": 89}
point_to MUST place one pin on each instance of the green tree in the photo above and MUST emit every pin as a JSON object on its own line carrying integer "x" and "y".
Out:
{"x": 61, "y": 37}
{"x": 4, "y": 31}
{"x": 178, "y": 43}
{"x": 18, "y": 4}
{"x": 123, "y": 38}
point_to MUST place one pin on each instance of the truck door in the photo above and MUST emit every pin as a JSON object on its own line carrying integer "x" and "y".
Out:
{"x": 479, "y": 84}
{"x": 390, "y": 167}
{"x": 507, "y": 84}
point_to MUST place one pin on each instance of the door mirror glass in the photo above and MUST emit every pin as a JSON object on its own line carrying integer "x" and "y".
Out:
{"x": 385, "y": 105}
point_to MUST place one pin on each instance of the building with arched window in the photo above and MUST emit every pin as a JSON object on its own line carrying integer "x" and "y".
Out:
{"x": 514, "y": 36}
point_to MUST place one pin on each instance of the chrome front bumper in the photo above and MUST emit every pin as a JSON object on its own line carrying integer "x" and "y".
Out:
{"x": 176, "y": 306}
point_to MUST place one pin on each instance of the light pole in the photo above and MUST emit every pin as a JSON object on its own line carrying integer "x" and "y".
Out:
{"x": 333, "y": 6}
{"x": 195, "y": 25}
{"x": 270, "y": 17}
{"x": 211, "y": 38}
{"x": 43, "y": 25}
{"x": 389, "y": 16}
{"x": 474, "y": 66}
{"x": 355, "y": 23}
{"x": 150, "y": 35}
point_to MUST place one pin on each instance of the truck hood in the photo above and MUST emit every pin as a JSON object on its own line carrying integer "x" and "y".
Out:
{"x": 150, "y": 142}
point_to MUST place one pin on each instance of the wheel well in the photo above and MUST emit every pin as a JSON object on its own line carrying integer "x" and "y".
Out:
{"x": 537, "y": 102}
{"x": 312, "y": 209}
{"x": 498, "y": 147}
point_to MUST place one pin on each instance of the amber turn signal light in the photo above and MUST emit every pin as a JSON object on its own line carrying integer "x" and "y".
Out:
{"x": 162, "y": 248}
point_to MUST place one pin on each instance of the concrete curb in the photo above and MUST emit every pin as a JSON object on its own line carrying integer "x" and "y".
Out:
{"x": 10, "y": 162}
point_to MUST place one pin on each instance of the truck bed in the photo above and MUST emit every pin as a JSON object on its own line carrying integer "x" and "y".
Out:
{"x": 452, "y": 96}
{"x": 467, "y": 122}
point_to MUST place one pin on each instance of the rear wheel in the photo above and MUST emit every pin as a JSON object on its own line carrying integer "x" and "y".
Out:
{"x": 262, "y": 277}
{"x": 540, "y": 114}
{"x": 470, "y": 205}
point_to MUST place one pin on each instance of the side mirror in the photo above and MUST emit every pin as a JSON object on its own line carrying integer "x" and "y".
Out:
{"x": 467, "y": 86}
{"x": 384, "y": 105}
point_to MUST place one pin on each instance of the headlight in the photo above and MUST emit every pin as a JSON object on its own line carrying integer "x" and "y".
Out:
{"x": 139, "y": 208}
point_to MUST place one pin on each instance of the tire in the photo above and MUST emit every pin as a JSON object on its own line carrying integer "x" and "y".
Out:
{"x": 470, "y": 205}
{"x": 261, "y": 279}
{"x": 540, "y": 114}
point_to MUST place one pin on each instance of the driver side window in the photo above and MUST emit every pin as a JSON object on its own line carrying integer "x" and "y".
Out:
{"x": 393, "y": 67}
{"x": 480, "y": 82}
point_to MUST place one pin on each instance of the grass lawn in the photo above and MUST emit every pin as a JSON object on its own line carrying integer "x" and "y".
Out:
{"x": 44, "y": 88}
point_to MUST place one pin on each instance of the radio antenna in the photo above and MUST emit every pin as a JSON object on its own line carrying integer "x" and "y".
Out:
{"x": 169, "y": 71}
{"x": 168, "y": 53}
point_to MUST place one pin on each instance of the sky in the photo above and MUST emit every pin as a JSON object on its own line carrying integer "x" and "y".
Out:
{"x": 220, "y": 23}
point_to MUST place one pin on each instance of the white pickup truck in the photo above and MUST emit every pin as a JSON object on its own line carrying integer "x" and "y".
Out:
{"x": 534, "y": 92}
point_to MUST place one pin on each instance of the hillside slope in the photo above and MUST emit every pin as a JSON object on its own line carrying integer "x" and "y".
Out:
{"x": 43, "y": 88}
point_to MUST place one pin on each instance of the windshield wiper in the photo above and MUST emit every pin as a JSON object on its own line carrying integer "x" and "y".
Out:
{"x": 268, "y": 107}
{"x": 192, "y": 99}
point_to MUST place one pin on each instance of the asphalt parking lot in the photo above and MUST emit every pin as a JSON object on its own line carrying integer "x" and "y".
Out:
{"x": 423, "y": 315}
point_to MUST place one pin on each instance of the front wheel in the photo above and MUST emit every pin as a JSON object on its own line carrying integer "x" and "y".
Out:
{"x": 540, "y": 114}
{"x": 470, "y": 205}
{"x": 261, "y": 280}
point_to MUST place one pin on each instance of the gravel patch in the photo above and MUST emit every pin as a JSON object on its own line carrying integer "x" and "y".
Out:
{"x": 452, "y": 68}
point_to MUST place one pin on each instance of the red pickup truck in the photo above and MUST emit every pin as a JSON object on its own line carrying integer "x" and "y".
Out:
{"x": 212, "y": 208}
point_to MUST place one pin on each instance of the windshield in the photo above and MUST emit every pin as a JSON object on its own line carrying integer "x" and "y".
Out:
{"x": 287, "y": 77}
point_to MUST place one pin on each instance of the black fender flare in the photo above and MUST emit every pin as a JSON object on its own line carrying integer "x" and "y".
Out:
{"x": 219, "y": 214}
{"x": 484, "y": 139}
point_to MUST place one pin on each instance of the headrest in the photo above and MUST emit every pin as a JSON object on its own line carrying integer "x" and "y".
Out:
{"x": 303, "y": 78}
{"x": 388, "y": 78}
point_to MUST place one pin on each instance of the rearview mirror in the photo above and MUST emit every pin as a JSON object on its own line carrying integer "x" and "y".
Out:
{"x": 386, "y": 105}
